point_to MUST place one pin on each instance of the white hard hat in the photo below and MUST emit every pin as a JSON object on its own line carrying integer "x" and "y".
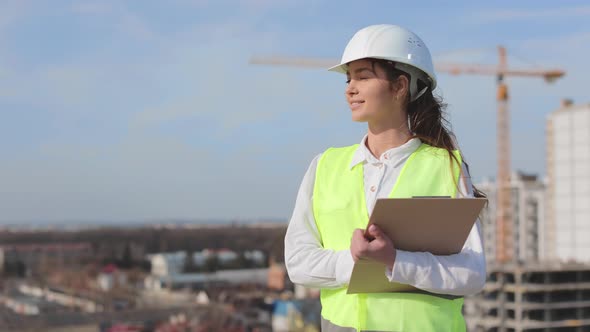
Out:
{"x": 394, "y": 43}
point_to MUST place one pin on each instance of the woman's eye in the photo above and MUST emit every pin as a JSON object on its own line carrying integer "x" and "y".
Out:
{"x": 348, "y": 81}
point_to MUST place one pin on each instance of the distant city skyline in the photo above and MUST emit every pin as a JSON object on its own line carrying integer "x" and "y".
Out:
{"x": 149, "y": 111}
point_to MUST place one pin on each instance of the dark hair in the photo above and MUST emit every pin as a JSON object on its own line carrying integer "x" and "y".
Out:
{"x": 427, "y": 117}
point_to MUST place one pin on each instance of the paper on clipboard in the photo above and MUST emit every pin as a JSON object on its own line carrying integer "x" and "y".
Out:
{"x": 436, "y": 225}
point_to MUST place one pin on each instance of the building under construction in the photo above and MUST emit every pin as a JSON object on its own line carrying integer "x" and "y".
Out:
{"x": 568, "y": 173}
{"x": 532, "y": 297}
{"x": 542, "y": 282}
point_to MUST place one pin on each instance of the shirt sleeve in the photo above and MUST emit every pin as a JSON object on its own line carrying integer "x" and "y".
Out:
{"x": 460, "y": 274}
{"x": 307, "y": 262}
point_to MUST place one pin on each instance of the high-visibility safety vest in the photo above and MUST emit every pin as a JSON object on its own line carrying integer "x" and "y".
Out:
{"x": 339, "y": 208}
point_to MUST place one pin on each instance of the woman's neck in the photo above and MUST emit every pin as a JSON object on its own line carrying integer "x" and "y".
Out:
{"x": 381, "y": 140}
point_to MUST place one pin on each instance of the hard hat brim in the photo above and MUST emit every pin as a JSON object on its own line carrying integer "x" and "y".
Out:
{"x": 343, "y": 67}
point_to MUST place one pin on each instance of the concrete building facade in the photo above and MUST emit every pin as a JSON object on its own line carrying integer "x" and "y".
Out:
{"x": 528, "y": 218}
{"x": 532, "y": 297}
{"x": 568, "y": 172}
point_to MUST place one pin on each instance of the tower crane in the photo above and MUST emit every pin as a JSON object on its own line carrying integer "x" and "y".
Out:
{"x": 504, "y": 248}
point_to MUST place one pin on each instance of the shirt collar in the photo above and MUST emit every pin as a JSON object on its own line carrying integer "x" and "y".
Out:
{"x": 391, "y": 156}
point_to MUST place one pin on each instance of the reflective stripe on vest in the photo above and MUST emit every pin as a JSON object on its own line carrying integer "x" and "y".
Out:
{"x": 339, "y": 207}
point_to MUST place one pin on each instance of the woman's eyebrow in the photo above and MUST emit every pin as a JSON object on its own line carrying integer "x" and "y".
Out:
{"x": 363, "y": 69}
{"x": 360, "y": 70}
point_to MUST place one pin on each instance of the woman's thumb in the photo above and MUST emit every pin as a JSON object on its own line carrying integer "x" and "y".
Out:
{"x": 375, "y": 231}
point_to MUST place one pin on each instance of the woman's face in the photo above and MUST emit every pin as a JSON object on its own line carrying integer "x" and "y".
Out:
{"x": 369, "y": 93}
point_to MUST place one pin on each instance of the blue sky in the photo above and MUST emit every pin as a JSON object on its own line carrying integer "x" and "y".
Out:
{"x": 148, "y": 110}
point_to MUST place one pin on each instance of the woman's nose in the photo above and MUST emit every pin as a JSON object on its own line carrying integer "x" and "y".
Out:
{"x": 350, "y": 89}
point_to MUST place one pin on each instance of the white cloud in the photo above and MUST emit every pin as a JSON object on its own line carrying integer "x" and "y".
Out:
{"x": 527, "y": 14}
{"x": 197, "y": 3}
{"x": 568, "y": 52}
{"x": 78, "y": 82}
{"x": 124, "y": 20}
{"x": 95, "y": 8}
{"x": 574, "y": 44}
{"x": 12, "y": 11}
{"x": 212, "y": 77}
{"x": 474, "y": 55}
{"x": 5, "y": 74}
{"x": 136, "y": 27}
{"x": 268, "y": 4}
{"x": 246, "y": 4}
{"x": 70, "y": 86}
{"x": 64, "y": 89}
{"x": 235, "y": 99}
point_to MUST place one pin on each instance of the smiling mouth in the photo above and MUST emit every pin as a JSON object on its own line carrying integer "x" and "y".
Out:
{"x": 356, "y": 104}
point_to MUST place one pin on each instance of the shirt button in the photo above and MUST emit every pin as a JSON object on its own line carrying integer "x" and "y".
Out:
{"x": 380, "y": 165}
{"x": 373, "y": 188}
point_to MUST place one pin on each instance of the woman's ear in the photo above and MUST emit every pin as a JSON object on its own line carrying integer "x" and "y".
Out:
{"x": 402, "y": 87}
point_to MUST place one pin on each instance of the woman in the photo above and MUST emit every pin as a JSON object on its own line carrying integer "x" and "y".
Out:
{"x": 407, "y": 151}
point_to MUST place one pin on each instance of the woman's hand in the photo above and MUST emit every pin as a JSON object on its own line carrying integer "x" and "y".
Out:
{"x": 378, "y": 247}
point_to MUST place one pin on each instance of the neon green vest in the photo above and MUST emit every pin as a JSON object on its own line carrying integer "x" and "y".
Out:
{"x": 339, "y": 207}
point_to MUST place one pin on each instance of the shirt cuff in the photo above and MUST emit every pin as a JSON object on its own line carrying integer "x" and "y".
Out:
{"x": 404, "y": 270}
{"x": 344, "y": 266}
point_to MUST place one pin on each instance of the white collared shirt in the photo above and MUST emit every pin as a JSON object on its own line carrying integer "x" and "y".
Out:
{"x": 309, "y": 264}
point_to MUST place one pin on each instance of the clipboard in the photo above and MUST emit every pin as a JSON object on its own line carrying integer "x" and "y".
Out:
{"x": 439, "y": 225}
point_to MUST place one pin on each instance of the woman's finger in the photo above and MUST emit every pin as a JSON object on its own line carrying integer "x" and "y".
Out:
{"x": 375, "y": 231}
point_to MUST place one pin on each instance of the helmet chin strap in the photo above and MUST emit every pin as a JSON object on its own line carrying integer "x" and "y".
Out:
{"x": 414, "y": 75}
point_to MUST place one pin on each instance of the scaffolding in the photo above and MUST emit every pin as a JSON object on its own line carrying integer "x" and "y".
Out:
{"x": 532, "y": 297}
